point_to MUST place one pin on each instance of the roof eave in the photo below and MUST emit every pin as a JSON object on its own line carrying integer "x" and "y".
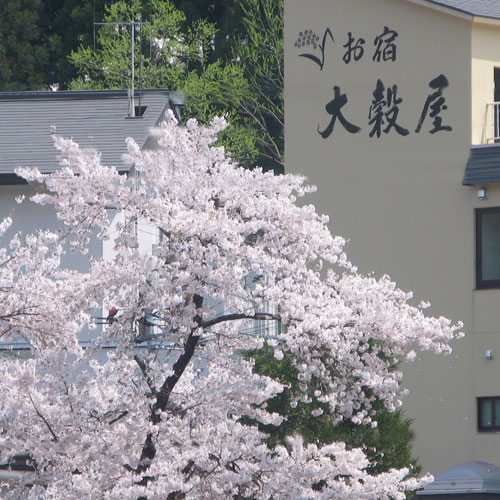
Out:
{"x": 490, "y": 21}
{"x": 431, "y": 4}
{"x": 87, "y": 94}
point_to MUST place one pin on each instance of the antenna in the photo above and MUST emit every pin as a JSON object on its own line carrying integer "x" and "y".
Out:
{"x": 132, "y": 24}
{"x": 94, "y": 23}
{"x": 140, "y": 67}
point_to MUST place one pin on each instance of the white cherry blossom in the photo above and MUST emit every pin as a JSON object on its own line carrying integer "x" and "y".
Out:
{"x": 127, "y": 422}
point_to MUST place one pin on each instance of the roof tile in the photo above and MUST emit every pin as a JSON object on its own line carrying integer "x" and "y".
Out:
{"x": 483, "y": 8}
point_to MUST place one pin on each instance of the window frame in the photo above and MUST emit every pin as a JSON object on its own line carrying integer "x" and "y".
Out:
{"x": 481, "y": 283}
{"x": 492, "y": 428}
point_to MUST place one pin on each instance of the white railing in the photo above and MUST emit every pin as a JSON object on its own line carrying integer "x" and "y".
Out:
{"x": 491, "y": 130}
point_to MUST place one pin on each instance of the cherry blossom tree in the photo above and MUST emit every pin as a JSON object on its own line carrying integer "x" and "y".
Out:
{"x": 115, "y": 420}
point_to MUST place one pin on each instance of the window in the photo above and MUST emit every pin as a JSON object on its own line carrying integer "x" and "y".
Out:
{"x": 488, "y": 248}
{"x": 488, "y": 414}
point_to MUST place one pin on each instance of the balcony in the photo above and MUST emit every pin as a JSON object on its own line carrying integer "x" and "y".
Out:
{"x": 483, "y": 165}
{"x": 491, "y": 127}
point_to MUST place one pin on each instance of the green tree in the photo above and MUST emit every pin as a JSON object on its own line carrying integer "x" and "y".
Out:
{"x": 225, "y": 14}
{"x": 250, "y": 33}
{"x": 388, "y": 445}
{"x": 36, "y": 37}
{"x": 261, "y": 54}
{"x": 65, "y": 25}
{"x": 22, "y": 51}
{"x": 173, "y": 54}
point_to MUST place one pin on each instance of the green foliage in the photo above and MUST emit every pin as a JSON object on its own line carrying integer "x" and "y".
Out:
{"x": 250, "y": 34}
{"x": 387, "y": 446}
{"x": 170, "y": 53}
{"x": 66, "y": 24}
{"x": 226, "y": 14}
{"x": 262, "y": 56}
{"x": 36, "y": 37}
{"x": 227, "y": 87}
{"x": 22, "y": 52}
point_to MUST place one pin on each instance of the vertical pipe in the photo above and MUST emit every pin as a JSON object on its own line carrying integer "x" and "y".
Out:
{"x": 94, "y": 24}
{"x": 133, "y": 66}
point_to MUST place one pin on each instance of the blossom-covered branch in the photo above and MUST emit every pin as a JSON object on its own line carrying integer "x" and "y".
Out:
{"x": 229, "y": 245}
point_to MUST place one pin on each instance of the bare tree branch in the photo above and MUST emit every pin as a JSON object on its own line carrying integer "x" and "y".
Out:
{"x": 54, "y": 435}
{"x": 236, "y": 316}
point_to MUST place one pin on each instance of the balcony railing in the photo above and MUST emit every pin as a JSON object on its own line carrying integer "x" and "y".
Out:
{"x": 491, "y": 130}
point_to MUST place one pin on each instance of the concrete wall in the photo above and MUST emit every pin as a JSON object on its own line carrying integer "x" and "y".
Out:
{"x": 398, "y": 198}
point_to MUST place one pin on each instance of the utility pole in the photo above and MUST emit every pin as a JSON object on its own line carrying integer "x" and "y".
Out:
{"x": 132, "y": 24}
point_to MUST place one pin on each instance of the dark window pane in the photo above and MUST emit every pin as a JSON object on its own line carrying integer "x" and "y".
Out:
{"x": 490, "y": 246}
{"x": 486, "y": 413}
{"x": 497, "y": 413}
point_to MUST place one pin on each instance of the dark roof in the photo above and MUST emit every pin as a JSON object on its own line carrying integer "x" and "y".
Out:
{"x": 94, "y": 119}
{"x": 469, "y": 477}
{"x": 483, "y": 165}
{"x": 482, "y": 8}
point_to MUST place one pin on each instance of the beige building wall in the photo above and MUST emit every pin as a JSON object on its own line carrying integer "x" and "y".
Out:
{"x": 485, "y": 331}
{"x": 398, "y": 198}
